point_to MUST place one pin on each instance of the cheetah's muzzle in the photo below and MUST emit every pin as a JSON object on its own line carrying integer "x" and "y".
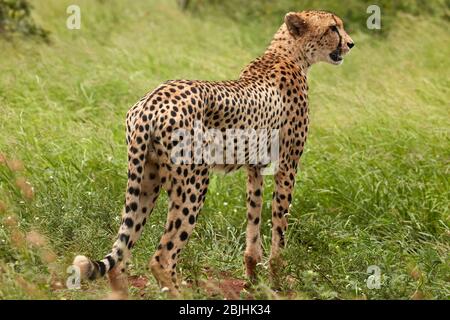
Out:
{"x": 336, "y": 56}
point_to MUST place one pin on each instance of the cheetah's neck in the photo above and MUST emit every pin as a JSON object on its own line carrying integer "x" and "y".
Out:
{"x": 282, "y": 45}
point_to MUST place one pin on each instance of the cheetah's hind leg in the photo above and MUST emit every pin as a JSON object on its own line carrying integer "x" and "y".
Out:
{"x": 187, "y": 194}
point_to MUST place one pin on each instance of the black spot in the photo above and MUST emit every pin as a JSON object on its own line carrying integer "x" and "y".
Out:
{"x": 191, "y": 219}
{"x": 169, "y": 245}
{"x": 129, "y": 222}
{"x": 124, "y": 238}
{"x": 101, "y": 267}
{"x": 134, "y": 206}
{"x": 185, "y": 211}
{"x": 280, "y": 232}
{"x": 183, "y": 236}
{"x": 111, "y": 262}
{"x": 178, "y": 223}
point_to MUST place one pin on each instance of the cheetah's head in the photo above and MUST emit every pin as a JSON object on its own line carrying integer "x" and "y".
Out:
{"x": 320, "y": 35}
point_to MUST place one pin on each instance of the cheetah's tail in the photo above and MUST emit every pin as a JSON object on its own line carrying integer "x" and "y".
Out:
{"x": 92, "y": 270}
{"x": 89, "y": 269}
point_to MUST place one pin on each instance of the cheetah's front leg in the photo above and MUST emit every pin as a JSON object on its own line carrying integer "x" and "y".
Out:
{"x": 253, "y": 251}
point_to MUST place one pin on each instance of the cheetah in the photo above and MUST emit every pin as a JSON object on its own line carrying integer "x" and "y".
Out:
{"x": 271, "y": 93}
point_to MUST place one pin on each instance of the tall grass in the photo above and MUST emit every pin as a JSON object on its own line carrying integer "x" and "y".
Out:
{"x": 354, "y": 11}
{"x": 372, "y": 190}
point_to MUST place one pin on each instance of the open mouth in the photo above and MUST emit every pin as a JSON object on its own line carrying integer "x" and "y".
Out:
{"x": 336, "y": 57}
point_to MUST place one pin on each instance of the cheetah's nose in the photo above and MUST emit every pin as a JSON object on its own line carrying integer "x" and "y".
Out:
{"x": 350, "y": 44}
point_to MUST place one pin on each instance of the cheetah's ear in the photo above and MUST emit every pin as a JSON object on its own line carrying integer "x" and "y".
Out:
{"x": 296, "y": 25}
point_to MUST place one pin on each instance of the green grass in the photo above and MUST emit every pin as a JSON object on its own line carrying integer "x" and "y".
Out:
{"x": 372, "y": 187}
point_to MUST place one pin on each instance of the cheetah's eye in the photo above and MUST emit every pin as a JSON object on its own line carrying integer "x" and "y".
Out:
{"x": 334, "y": 28}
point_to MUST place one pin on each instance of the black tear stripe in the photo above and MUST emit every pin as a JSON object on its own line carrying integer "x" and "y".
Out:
{"x": 338, "y": 49}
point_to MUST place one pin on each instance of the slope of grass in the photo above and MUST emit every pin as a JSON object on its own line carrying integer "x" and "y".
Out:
{"x": 372, "y": 190}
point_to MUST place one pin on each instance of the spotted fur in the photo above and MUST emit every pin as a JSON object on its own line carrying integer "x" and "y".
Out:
{"x": 271, "y": 93}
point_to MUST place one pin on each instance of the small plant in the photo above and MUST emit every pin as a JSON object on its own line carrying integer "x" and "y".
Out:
{"x": 15, "y": 17}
